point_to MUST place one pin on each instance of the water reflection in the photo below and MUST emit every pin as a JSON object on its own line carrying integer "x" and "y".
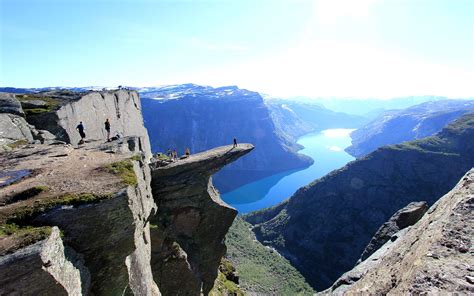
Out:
{"x": 327, "y": 150}
{"x": 9, "y": 177}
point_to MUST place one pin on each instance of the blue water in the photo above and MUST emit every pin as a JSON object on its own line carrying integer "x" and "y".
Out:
{"x": 327, "y": 150}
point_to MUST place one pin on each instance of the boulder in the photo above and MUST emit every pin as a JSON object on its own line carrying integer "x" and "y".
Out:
{"x": 14, "y": 128}
{"x": 9, "y": 104}
{"x": 403, "y": 218}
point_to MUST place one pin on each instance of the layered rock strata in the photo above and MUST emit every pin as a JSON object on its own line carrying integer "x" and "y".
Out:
{"x": 434, "y": 256}
{"x": 188, "y": 231}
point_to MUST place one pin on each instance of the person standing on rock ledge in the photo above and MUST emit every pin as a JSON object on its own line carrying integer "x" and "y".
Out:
{"x": 235, "y": 143}
{"x": 107, "y": 128}
{"x": 80, "y": 128}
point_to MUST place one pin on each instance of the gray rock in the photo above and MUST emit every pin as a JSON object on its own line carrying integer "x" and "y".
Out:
{"x": 120, "y": 258}
{"x": 426, "y": 258}
{"x": 121, "y": 107}
{"x": 187, "y": 237}
{"x": 9, "y": 104}
{"x": 14, "y": 128}
{"x": 44, "y": 268}
{"x": 403, "y": 218}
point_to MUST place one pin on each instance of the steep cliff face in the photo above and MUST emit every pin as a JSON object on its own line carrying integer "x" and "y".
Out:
{"x": 201, "y": 117}
{"x": 325, "y": 226}
{"x": 434, "y": 256}
{"x": 83, "y": 220}
{"x": 416, "y": 122}
{"x": 100, "y": 201}
{"x": 188, "y": 231}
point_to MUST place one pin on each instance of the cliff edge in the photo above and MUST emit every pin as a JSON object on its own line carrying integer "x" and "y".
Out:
{"x": 434, "y": 256}
{"x": 102, "y": 218}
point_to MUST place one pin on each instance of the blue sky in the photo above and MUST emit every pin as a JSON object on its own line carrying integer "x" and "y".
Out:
{"x": 377, "y": 48}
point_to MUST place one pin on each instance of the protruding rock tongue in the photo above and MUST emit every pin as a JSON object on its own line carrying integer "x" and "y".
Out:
{"x": 188, "y": 230}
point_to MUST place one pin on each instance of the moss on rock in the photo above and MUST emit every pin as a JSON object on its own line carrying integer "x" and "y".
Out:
{"x": 22, "y": 214}
{"x": 123, "y": 169}
{"x": 14, "y": 237}
{"x": 50, "y": 103}
{"x": 17, "y": 144}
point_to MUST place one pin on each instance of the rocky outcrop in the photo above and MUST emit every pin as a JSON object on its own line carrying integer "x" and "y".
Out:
{"x": 100, "y": 201}
{"x": 13, "y": 127}
{"x": 434, "y": 256}
{"x": 9, "y": 104}
{"x": 403, "y": 218}
{"x": 99, "y": 196}
{"x": 63, "y": 110}
{"x": 44, "y": 268}
{"x": 187, "y": 233}
{"x": 416, "y": 122}
{"x": 324, "y": 227}
{"x": 202, "y": 118}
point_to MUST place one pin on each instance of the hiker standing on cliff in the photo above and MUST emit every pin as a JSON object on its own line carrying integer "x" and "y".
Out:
{"x": 187, "y": 152}
{"x": 107, "y": 128}
{"x": 80, "y": 128}
{"x": 235, "y": 143}
{"x": 175, "y": 155}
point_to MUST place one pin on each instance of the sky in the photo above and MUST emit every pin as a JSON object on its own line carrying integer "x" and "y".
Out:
{"x": 341, "y": 48}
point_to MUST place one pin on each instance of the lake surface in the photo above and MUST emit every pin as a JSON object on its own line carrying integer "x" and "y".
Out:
{"x": 326, "y": 148}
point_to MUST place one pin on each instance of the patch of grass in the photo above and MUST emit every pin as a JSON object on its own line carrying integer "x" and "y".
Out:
{"x": 51, "y": 104}
{"x": 123, "y": 169}
{"x": 136, "y": 157}
{"x": 224, "y": 285}
{"x": 17, "y": 144}
{"x": 34, "y": 111}
{"x": 162, "y": 156}
{"x": 20, "y": 237}
{"x": 22, "y": 214}
{"x": 262, "y": 270}
{"x": 10, "y": 229}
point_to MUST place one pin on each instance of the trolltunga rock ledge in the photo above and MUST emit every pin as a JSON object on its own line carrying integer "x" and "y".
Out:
{"x": 187, "y": 233}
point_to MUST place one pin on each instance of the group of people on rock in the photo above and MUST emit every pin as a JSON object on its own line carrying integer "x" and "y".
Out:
{"x": 173, "y": 154}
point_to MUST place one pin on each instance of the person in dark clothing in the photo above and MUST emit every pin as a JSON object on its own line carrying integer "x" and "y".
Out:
{"x": 235, "y": 143}
{"x": 80, "y": 128}
{"x": 107, "y": 128}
